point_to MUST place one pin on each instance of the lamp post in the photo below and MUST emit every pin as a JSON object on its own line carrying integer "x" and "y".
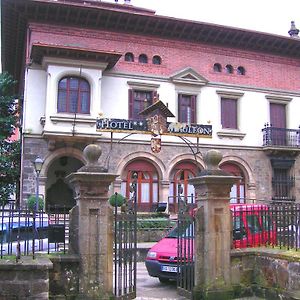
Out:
{"x": 38, "y": 163}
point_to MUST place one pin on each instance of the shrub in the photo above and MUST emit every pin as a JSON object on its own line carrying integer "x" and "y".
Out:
{"x": 117, "y": 200}
{"x": 31, "y": 203}
{"x": 155, "y": 223}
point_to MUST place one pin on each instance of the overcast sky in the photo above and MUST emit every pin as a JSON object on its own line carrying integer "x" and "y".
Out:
{"x": 272, "y": 16}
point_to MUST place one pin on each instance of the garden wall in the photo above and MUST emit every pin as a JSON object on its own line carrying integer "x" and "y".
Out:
{"x": 266, "y": 273}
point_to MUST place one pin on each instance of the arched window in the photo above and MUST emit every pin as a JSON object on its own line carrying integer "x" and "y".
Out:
{"x": 241, "y": 70}
{"x": 180, "y": 188}
{"x": 229, "y": 69}
{"x": 156, "y": 60}
{"x": 143, "y": 59}
{"x": 73, "y": 95}
{"x": 129, "y": 57}
{"x": 147, "y": 184}
{"x": 217, "y": 67}
{"x": 237, "y": 193}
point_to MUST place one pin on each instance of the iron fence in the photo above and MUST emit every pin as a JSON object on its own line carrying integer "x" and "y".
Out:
{"x": 268, "y": 223}
{"x": 27, "y": 232}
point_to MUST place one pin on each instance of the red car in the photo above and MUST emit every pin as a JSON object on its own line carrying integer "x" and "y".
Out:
{"x": 252, "y": 226}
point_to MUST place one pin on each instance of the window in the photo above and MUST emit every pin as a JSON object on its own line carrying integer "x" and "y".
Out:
{"x": 217, "y": 67}
{"x": 156, "y": 60}
{"x": 229, "y": 113}
{"x": 229, "y": 69}
{"x": 138, "y": 101}
{"x": 73, "y": 95}
{"x": 241, "y": 70}
{"x": 147, "y": 184}
{"x": 237, "y": 193}
{"x": 129, "y": 57}
{"x": 143, "y": 59}
{"x": 186, "y": 108}
{"x": 180, "y": 188}
{"x": 283, "y": 185}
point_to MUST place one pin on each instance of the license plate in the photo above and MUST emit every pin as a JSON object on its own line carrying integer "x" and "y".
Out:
{"x": 169, "y": 269}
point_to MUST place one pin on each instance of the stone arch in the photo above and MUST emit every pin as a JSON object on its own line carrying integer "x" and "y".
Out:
{"x": 68, "y": 151}
{"x": 249, "y": 177}
{"x": 184, "y": 157}
{"x": 242, "y": 164}
{"x": 158, "y": 164}
{"x": 57, "y": 193}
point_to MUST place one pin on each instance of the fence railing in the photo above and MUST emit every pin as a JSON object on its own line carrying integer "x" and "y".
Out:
{"x": 273, "y": 136}
{"x": 27, "y": 232}
{"x": 275, "y": 224}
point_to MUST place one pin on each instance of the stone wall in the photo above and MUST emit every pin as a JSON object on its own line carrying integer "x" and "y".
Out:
{"x": 266, "y": 273}
{"x": 64, "y": 280}
{"x": 25, "y": 279}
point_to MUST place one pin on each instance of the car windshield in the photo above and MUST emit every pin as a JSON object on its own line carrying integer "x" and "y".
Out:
{"x": 184, "y": 231}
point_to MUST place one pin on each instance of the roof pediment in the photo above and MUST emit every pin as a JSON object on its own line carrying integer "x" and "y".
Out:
{"x": 188, "y": 76}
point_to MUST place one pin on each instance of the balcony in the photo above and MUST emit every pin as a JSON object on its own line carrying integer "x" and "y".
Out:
{"x": 279, "y": 141}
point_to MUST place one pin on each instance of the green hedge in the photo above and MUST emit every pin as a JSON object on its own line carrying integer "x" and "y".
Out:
{"x": 154, "y": 223}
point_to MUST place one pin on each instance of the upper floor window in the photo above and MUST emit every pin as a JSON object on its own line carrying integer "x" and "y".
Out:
{"x": 241, "y": 70}
{"x": 143, "y": 59}
{"x": 156, "y": 60}
{"x": 217, "y": 67}
{"x": 73, "y": 95}
{"x": 129, "y": 57}
{"x": 138, "y": 101}
{"x": 186, "y": 108}
{"x": 229, "y": 113}
{"x": 229, "y": 69}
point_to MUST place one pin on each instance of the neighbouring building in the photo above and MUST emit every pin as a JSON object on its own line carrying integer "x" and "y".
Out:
{"x": 87, "y": 68}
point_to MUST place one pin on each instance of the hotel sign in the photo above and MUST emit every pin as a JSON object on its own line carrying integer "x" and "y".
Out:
{"x": 141, "y": 126}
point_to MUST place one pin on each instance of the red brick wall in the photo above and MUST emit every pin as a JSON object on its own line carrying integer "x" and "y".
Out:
{"x": 262, "y": 70}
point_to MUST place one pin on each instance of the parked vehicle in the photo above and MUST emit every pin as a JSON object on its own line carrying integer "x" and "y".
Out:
{"x": 19, "y": 232}
{"x": 252, "y": 226}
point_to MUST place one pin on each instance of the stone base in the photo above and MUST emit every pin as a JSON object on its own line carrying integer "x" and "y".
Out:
{"x": 207, "y": 294}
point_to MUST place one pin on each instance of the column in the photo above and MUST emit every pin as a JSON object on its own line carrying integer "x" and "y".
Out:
{"x": 91, "y": 225}
{"x": 213, "y": 230}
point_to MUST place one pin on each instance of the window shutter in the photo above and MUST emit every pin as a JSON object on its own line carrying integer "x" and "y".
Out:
{"x": 277, "y": 115}
{"x": 193, "y": 109}
{"x": 229, "y": 113}
{"x": 130, "y": 102}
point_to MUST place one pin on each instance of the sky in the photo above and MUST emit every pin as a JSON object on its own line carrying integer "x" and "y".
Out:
{"x": 271, "y": 16}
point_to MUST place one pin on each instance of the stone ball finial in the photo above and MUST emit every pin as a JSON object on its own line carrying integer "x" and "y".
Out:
{"x": 92, "y": 153}
{"x": 212, "y": 159}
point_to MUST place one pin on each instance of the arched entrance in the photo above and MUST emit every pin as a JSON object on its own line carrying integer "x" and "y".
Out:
{"x": 179, "y": 188}
{"x": 147, "y": 184}
{"x": 58, "y": 194}
{"x": 237, "y": 193}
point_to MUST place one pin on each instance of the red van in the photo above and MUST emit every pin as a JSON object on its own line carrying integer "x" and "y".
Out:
{"x": 252, "y": 226}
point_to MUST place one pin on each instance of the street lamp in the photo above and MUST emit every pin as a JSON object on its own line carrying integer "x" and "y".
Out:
{"x": 38, "y": 163}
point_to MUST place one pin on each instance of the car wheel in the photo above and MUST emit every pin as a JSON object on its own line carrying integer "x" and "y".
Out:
{"x": 163, "y": 280}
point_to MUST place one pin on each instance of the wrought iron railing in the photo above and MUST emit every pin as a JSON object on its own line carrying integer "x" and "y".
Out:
{"x": 281, "y": 137}
{"x": 27, "y": 232}
{"x": 283, "y": 188}
{"x": 272, "y": 223}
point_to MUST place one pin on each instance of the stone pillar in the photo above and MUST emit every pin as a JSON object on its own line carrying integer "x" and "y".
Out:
{"x": 164, "y": 192}
{"x": 213, "y": 230}
{"x": 91, "y": 225}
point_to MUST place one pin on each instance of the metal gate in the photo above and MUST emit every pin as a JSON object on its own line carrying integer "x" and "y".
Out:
{"x": 125, "y": 246}
{"x": 185, "y": 246}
